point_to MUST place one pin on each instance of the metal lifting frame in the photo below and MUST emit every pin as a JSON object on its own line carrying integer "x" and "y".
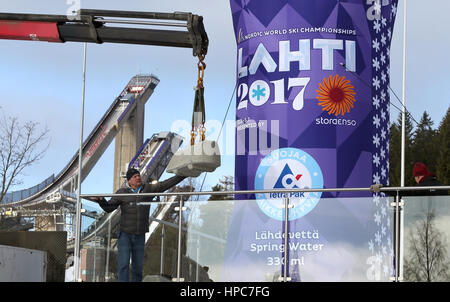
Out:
{"x": 88, "y": 25}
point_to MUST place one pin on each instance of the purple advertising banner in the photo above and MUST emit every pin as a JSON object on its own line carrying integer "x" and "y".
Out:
{"x": 312, "y": 111}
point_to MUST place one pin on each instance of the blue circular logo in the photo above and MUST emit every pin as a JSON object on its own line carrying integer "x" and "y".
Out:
{"x": 288, "y": 168}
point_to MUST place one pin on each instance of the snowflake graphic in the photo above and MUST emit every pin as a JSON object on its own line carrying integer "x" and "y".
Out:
{"x": 383, "y": 172}
{"x": 383, "y": 230}
{"x": 383, "y": 58}
{"x": 376, "y": 122}
{"x": 382, "y": 153}
{"x": 377, "y": 26}
{"x": 376, "y": 83}
{"x": 376, "y": 64}
{"x": 383, "y": 77}
{"x": 376, "y": 178}
{"x": 383, "y": 39}
{"x": 376, "y": 200}
{"x": 383, "y": 96}
{"x": 383, "y": 211}
{"x": 376, "y": 101}
{"x": 258, "y": 92}
{"x": 376, "y": 159}
{"x": 383, "y": 134}
{"x": 378, "y": 241}
{"x": 393, "y": 10}
{"x": 379, "y": 257}
{"x": 376, "y": 45}
{"x": 376, "y": 140}
{"x": 377, "y": 218}
{"x": 383, "y": 115}
{"x": 380, "y": 244}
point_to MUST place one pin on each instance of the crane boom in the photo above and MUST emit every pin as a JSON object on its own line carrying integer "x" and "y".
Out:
{"x": 89, "y": 25}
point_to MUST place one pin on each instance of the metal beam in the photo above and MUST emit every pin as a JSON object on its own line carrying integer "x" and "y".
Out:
{"x": 387, "y": 189}
{"x": 88, "y": 26}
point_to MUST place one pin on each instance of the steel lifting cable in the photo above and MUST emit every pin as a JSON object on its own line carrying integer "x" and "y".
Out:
{"x": 202, "y": 66}
{"x": 198, "y": 114}
{"x": 220, "y": 132}
{"x": 390, "y": 88}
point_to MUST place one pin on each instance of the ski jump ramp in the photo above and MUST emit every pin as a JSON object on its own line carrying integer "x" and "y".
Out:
{"x": 151, "y": 159}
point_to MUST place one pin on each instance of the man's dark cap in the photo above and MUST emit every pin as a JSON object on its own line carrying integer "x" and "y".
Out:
{"x": 131, "y": 172}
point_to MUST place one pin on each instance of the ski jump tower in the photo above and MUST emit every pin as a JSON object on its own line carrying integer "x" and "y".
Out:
{"x": 128, "y": 141}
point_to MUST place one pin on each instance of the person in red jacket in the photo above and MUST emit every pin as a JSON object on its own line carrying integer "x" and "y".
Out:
{"x": 425, "y": 178}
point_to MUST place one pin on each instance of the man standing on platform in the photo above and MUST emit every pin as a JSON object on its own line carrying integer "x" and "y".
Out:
{"x": 134, "y": 221}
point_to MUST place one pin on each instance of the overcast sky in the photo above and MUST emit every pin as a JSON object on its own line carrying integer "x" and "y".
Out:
{"x": 42, "y": 81}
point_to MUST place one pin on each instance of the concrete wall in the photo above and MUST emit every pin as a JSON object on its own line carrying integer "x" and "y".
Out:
{"x": 54, "y": 243}
{"x": 22, "y": 265}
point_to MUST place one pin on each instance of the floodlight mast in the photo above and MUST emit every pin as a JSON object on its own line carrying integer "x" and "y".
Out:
{"x": 88, "y": 25}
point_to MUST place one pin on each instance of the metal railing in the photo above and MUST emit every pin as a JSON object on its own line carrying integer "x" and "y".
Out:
{"x": 382, "y": 190}
{"x": 25, "y": 193}
{"x": 397, "y": 207}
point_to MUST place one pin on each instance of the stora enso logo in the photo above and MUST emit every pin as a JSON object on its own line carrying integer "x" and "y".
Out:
{"x": 336, "y": 95}
{"x": 288, "y": 168}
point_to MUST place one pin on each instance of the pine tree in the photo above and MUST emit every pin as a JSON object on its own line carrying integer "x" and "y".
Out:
{"x": 424, "y": 146}
{"x": 443, "y": 142}
{"x": 217, "y": 188}
{"x": 226, "y": 184}
{"x": 394, "y": 154}
{"x": 395, "y": 139}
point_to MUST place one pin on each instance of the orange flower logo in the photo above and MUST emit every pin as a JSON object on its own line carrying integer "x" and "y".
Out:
{"x": 336, "y": 95}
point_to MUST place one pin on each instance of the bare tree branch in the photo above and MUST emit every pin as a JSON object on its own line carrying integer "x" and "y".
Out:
{"x": 426, "y": 259}
{"x": 20, "y": 147}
